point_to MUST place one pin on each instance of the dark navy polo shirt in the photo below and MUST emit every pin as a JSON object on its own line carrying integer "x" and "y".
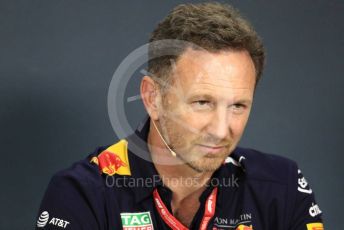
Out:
{"x": 255, "y": 191}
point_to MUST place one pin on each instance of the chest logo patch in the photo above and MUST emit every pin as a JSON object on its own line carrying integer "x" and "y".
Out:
{"x": 242, "y": 222}
{"x": 114, "y": 160}
{"x": 137, "y": 221}
{"x": 315, "y": 226}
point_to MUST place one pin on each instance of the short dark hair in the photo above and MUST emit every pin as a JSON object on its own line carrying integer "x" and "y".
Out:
{"x": 212, "y": 26}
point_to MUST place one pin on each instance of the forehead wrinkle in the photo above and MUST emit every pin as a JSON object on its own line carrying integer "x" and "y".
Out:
{"x": 211, "y": 85}
{"x": 204, "y": 79}
{"x": 204, "y": 70}
{"x": 234, "y": 94}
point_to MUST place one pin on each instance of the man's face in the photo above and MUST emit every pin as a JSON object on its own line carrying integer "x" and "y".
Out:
{"x": 206, "y": 108}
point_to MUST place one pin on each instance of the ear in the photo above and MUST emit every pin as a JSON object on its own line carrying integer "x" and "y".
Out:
{"x": 150, "y": 96}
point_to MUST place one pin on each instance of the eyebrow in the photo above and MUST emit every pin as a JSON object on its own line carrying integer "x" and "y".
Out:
{"x": 243, "y": 101}
{"x": 200, "y": 96}
{"x": 210, "y": 97}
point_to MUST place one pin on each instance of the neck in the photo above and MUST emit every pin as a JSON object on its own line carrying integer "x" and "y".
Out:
{"x": 176, "y": 175}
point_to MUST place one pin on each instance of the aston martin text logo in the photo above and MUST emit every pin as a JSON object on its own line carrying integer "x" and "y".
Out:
{"x": 243, "y": 222}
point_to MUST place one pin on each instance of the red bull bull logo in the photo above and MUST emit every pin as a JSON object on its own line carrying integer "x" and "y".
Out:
{"x": 114, "y": 159}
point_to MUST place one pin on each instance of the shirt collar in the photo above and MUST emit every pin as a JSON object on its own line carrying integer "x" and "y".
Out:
{"x": 141, "y": 165}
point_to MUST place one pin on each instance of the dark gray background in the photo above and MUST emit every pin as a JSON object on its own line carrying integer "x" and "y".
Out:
{"x": 57, "y": 58}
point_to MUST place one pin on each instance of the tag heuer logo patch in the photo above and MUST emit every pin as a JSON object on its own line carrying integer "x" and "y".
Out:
{"x": 137, "y": 221}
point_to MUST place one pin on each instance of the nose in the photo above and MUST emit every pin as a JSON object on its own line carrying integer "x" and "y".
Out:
{"x": 219, "y": 125}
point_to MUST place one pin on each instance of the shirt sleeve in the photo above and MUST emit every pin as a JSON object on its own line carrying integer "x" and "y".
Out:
{"x": 307, "y": 214}
{"x": 70, "y": 204}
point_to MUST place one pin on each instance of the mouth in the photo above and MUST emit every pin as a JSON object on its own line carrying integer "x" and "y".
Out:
{"x": 212, "y": 149}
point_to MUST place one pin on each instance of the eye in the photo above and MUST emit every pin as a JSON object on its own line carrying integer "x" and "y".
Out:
{"x": 201, "y": 104}
{"x": 238, "y": 107}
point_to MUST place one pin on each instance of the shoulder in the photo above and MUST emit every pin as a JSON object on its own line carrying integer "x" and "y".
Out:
{"x": 93, "y": 170}
{"x": 75, "y": 197}
{"x": 278, "y": 179}
{"x": 264, "y": 166}
{"x": 81, "y": 172}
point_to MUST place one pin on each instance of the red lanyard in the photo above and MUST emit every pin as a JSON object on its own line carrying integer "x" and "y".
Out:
{"x": 171, "y": 221}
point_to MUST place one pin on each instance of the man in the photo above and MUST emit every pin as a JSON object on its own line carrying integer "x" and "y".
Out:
{"x": 198, "y": 101}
